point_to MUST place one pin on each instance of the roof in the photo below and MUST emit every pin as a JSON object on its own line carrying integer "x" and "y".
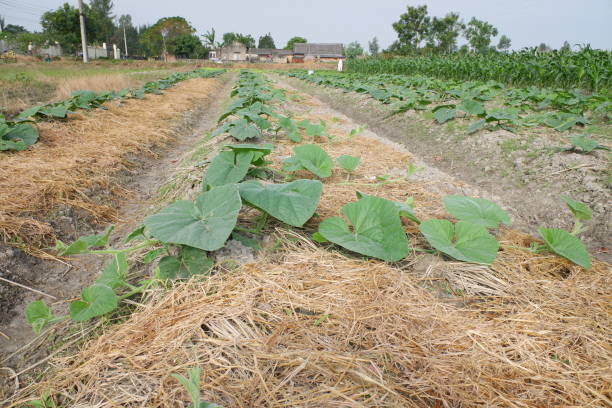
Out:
{"x": 335, "y": 49}
{"x": 269, "y": 51}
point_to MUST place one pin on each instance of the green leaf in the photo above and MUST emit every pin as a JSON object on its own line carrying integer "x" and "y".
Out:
{"x": 115, "y": 272}
{"x": 291, "y": 129}
{"x": 472, "y": 107}
{"x": 476, "y": 126}
{"x": 566, "y": 245}
{"x": 311, "y": 129}
{"x": 348, "y": 163}
{"x": 246, "y": 241}
{"x": 580, "y": 210}
{"x": 38, "y": 315}
{"x": 28, "y": 113}
{"x": 586, "y": 144}
{"x": 135, "y": 234}
{"x": 190, "y": 262}
{"x": 404, "y": 209}
{"x": 97, "y": 300}
{"x": 463, "y": 241}
{"x": 54, "y": 111}
{"x": 293, "y": 203}
{"x": 153, "y": 255}
{"x": 12, "y": 145}
{"x": 317, "y": 237}
{"x": 376, "y": 229}
{"x": 228, "y": 167}
{"x": 445, "y": 114}
{"x": 83, "y": 244}
{"x": 259, "y": 151}
{"x": 311, "y": 157}
{"x": 476, "y": 210}
{"x": 24, "y": 132}
{"x": 205, "y": 223}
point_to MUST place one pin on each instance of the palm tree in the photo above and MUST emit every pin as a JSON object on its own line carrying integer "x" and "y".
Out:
{"x": 210, "y": 38}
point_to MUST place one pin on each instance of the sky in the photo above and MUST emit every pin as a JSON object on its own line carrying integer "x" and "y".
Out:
{"x": 526, "y": 22}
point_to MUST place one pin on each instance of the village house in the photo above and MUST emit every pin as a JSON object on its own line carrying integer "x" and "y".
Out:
{"x": 306, "y": 52}
{"x": 270, "y": 55}
{"x": 300, "y": 53}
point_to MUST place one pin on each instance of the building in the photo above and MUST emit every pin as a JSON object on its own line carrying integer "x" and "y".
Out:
{"x": 269, "y": 55}
{"x": 234, "y": 52}
{"x": 305, "y": 52}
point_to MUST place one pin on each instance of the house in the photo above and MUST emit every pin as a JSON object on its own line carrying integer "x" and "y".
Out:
{"x": 234, "y": 52}
{"x": 269, "y": 55}
{"x": 303, "y": 52}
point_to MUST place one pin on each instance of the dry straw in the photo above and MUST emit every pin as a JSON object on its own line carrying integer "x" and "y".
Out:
{"x": 76, "y": 160}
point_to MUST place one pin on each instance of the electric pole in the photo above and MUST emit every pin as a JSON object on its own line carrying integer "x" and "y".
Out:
{"x": 125, "y": 41}
{"x": 83, "y": 32}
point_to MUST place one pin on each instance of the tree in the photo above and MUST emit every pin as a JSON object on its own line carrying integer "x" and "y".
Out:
{"x": 24, "y": 39}
{"x": 374, "y": 47}
{"x": 164, "y": 31}
{"x": 187, "y": 46}
{"x": 13, "y": 30}
{"x": 102, "y": 14}
{"x": 566, "y": 47}
{"x": 353, "y": 50}
{"x": 131, "y": 35}
{"x": 443, "y": 33}
{"x": 543, "y": 47}
{"x": 2, "y": 21}
{"x": 210, "y": 39}
{"x": 479, "y": 34}
{"x": 412, "y": 28}
{"x": 62, "y": 25}
{"x": 247, "y": 40}
{"x": 504, "y": 43}
{"x": 464, "y": 49}
{"x": 293, "y": 41}
{"x": 266, "y": 41}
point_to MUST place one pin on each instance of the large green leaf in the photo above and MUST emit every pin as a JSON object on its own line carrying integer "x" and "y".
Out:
{"x": 566, "y": 245}
{"x": 445, "y": 114}
{"x": 96, "y": 300}
{"x": 241, "y": 129}
{"x": 463, "y": 241}
{"x": 228, "y": 167}
{"x": 472, "y": 107}
{"x": 27, "y": 133}
{"x": 476, "y": 210}
{"x": 259, "y": 151}
{"x": 115, "y": 272}
{"x": 580, "y": 210}
{"x": 476, "y": 126}
{"x": 405, "y": 209}
{"x": 293, "y": 203}
{"x": 291, "y": 129}
{"x": 310, "y": 157}
{"x": 312, "y": 129}
{"x": 190, "y": 262}
{"x": 348, "y": 163}
{"x": 585, "y": 144}
{"x": 205, "y": 223}
{"x": 376, "y": 229}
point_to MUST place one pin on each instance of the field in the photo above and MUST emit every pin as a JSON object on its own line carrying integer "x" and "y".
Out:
{"x": 271, "y": 238}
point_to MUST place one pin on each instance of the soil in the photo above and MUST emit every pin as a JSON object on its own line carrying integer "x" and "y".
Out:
{"x": 62, "y": 280}
{"x": 521, "y": 172}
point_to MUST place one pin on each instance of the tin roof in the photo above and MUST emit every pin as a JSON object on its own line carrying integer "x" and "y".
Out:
{"x": 335, "y": 49}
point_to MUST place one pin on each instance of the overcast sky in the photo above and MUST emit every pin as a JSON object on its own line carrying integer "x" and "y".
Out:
{"x": 526, "y": 22}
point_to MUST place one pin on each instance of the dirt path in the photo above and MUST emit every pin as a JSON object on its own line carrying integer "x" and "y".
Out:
{"x": 139, "y": 179}
{"x": 517, "y": 171}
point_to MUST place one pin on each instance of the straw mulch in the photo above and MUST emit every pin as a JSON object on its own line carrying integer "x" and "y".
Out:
{"x": 308, "y": 326}
{"x": 318, "y": 329}
{"x": 77, "y": 157}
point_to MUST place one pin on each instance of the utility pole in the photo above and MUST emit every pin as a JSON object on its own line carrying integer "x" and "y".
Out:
{"x": 83, "y": 32}
{"x": 125, "y": 41}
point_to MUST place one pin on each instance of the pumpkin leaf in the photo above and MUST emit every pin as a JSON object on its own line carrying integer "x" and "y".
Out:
{"x": 96, "y": 300}
{"x": 205, "y": 224}
{"x": 228, "y": 167}
{"x": 376, "y": 229}
{"x": 348, "y": 163}
{"x": 293, "y": 203}
{"x": 462, "y": 241}
{"x": 190, "y": 262}
{"x": 476, "y": 210}
{"x": 310, "y": 157}
{"x": 566, "y": 245}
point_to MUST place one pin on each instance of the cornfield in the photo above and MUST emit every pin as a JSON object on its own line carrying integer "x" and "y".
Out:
{"x": 588, "y": 69}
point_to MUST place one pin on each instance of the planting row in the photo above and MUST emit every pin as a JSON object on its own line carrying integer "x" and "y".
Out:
{"x": 19, "y": 133}
{"x": 447, "y": 100}
{"x": 180, "y": 236}
{"x": 588, "y": 69}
